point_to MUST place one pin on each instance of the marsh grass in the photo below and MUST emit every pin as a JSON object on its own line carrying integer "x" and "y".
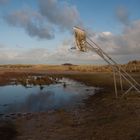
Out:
{"x": 132, "y": 66}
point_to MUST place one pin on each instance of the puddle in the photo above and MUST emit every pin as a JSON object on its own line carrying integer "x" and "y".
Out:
{"x": 64, "y": 95}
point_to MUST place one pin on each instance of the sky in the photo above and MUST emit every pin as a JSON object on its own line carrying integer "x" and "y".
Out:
{"x": 40, "y": 31}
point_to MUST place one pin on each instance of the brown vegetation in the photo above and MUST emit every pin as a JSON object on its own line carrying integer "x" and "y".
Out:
{"x": 132, "y": 66}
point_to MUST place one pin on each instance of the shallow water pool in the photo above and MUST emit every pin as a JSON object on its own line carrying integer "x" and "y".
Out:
{"x": 63, "y": 95}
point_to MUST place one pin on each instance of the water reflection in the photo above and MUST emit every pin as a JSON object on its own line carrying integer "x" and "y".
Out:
{"x": 66, "y": 94}
{"x": 44, "y": 101}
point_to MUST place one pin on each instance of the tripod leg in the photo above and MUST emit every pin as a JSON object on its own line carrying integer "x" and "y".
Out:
{"x": 115, "y": 83}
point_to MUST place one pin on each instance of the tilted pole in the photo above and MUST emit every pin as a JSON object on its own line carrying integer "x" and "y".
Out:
{"x": 121, "y": 84}
{"x": 84, "y": 43}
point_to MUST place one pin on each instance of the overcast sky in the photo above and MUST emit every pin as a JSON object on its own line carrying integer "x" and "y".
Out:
{"x": 40, "y": 31}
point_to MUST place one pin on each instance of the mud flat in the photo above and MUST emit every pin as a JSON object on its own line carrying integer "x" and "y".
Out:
{"x": 101, "y": 118}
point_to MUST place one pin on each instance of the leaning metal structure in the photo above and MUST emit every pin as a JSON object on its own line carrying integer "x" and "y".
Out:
{"x": 84, "y": 43}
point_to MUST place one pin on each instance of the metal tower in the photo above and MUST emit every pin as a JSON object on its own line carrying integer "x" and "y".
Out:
{"x": 84, "y": 43}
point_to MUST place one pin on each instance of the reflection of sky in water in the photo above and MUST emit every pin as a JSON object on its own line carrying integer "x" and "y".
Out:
{"x": 21, "y": 99}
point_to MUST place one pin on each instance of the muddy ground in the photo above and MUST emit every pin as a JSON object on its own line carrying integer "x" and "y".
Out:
{"x": 103, "y": 117}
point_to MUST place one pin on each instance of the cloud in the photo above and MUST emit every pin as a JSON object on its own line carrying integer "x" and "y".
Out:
{"x": 52, "y": 15}
{"x": 32, "y": 22}
{"x": 63, "y": 15}
{"x": 19, "y": 55}
{"x": 55, "y": 14}
{"x": 63, "y": 54}
{"x": 123, "y": 47}
{"x": 2, "y": 46}
{"x": 122, "y": 15}
{"x": 126, "y": 43}
{"x": 43, "y": 56}
{"x": 7, "y": 55}
{"x": 3, "y": 1}
{"x": 34, "y": 55}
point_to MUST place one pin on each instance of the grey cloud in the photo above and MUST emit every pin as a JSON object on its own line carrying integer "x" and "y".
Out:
{"x": 32, "y": 22}
{"x": 63, "y": 15}
{"x": 126, "y": 43}
{"x": 52, "y": 15}
{"x": 122, "y": 15}
{"x": 3, "y": 1}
